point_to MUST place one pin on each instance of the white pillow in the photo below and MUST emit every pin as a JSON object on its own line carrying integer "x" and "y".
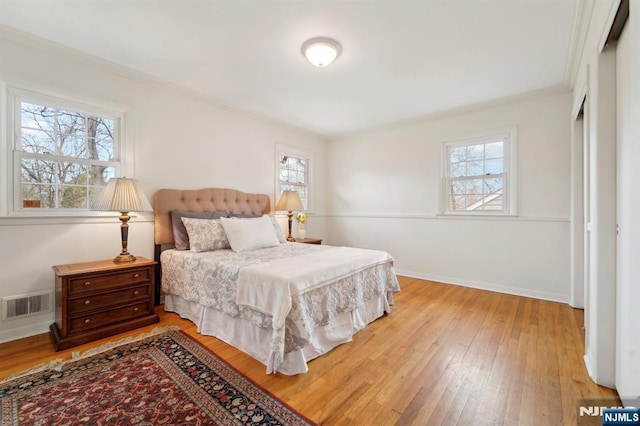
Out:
{"x": 205, "y": 234}
{"x": 250, "y": 234}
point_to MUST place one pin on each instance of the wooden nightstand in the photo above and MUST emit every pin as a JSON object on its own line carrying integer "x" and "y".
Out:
{"x": 102, "y": 298}
{"x": 309, "y": 240}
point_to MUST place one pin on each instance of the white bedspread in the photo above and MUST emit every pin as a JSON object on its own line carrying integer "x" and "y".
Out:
{"x": 210, "y": 279}
{"x": 269, "y": 287}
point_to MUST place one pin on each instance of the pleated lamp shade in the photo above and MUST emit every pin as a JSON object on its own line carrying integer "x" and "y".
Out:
{"x": 289, "y": 201}
{"x": 122, "y": 195}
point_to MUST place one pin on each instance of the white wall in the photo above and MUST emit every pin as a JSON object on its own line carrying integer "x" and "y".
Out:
{"x": 628, "y": 276}
{"x": 384, "y": 194}
{"x": 179, "y": 140}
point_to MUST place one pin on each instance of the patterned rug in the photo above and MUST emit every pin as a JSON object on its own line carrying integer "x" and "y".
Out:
{"x": 163, "y": 378}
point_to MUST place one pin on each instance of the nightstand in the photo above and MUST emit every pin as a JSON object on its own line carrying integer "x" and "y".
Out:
{"x": 309, "y": 240}
{"x": 102, "y": 298}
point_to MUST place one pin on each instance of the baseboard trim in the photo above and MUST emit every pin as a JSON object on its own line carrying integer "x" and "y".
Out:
{"x": 26, "y": 331}
{"x": 553, "y": 297}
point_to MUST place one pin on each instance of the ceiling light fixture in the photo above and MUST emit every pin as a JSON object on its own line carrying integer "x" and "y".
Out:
{"x": 321, "y": 51}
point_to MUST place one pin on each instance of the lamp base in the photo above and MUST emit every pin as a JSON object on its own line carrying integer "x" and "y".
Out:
{"x": 124, "y": 258}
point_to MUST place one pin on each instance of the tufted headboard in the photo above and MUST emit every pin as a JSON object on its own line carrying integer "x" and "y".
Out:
{"x": 202, "y": 200}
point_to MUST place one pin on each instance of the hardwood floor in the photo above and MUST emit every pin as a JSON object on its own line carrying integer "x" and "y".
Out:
{"x": 445, "y": 355}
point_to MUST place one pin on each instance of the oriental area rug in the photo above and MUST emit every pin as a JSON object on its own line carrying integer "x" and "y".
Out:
{"x": 163, "y": 378}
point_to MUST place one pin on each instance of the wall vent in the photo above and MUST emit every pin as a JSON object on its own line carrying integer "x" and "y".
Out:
{"x": 14, "y": 307}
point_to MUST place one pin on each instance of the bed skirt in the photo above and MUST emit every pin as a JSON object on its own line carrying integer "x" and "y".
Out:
{"x": 254, "y": 340}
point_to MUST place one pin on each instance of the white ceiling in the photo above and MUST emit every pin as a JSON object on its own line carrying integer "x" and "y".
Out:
{"x": 400, "y": 60}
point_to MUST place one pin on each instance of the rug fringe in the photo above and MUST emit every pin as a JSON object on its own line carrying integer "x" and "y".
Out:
{"x": 76, "y": 355}
{"x": 58, "y": 363}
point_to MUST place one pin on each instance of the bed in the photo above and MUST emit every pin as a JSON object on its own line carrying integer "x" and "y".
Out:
{"x": 284, "y": 303}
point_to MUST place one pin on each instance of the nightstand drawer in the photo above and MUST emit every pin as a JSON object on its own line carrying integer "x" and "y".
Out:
{"x": 102, "y": 300}
{"x": 91, "y": 283}
{"x": 102, "y": 318}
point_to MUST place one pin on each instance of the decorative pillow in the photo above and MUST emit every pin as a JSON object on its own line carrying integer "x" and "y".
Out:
{"x": 250, "y": 234}
{"x": 205, "y": 234}
{"x": 180, "y": 236}
{"x": 276, "y": 225}
{"x": 279, "y": 231}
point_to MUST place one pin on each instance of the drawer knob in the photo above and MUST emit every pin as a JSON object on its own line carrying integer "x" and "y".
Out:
{"x": 87, "y": 321}
{"x": 135, "y": 309}
{"x": 135, "y": 293}
{"x": 136, "y": 275}
{"x": 86, "y": 302}
{"x": 87, "y": 283}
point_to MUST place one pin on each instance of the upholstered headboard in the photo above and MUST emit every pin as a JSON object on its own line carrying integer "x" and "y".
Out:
{"x": 202, "y": 200}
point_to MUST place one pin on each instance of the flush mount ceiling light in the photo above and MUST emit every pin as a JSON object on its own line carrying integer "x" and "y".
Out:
{"x": 321, "y": 51}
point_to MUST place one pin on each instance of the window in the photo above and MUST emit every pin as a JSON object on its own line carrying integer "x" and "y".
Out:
{"x": 293, "y": 174}
{"x": 63, "y": 153}
{"x": 478, "y": 175}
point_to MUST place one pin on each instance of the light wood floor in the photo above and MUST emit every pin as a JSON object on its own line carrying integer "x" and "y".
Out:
{"x": 445, "y": 355}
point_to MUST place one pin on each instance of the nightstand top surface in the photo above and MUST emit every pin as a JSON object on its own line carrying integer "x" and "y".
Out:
{"x": 309, "y": 240}
{"x": 100, "y": 265}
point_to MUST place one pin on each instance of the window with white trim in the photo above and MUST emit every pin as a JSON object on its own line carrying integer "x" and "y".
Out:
{"x": 63, "y": 152}
{"x": 479, "y": 174}
{"x": 293, "y": 174}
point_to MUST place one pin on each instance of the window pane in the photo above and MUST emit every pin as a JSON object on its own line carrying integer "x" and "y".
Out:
{"x": 39, "y": 171}
{"x": 458, "y": 187}
{"x": 38, "y": 142}
{"x": 457, "y": 154}
{"x": 73, "y": 173}
{"x": 475, "y": 168}
{"x": 494, "y": 167}
{"x": 73, "y": 197}
{"x": 70, "y": 123}
{"x": 101, "y": 149}
{"x": 474, "y": 186}
{"x": 105, "y": 128}
{"x": 494, "y": 150}
{"x": 475, "y": 152}
{"x": 492, "y": 185}
{"x": 458, "y": 169}
{"x": 474, "y": 201}
{"x": 99, "y": 175}
{"x": 37, "y": 116}
{"x": 73, "y": 146}
{"x": 38, "y": 196}
{"x": 457, "y": 202}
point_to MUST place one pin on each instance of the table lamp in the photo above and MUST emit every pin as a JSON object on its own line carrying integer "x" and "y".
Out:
{"x": 122, "y": 195}
{"x": 289, "y": 201}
